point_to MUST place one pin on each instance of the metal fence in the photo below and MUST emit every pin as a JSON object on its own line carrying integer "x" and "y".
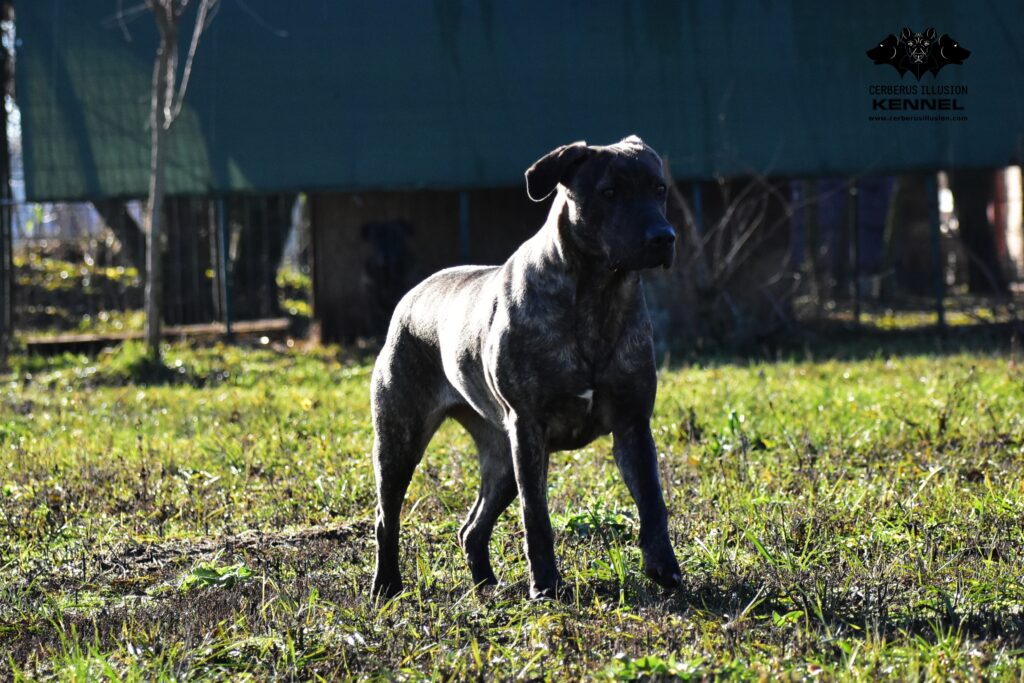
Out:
{"x": 942, "y": 243}
{"x": 80, "y": 267}
{"x": 757, "y": 256}
{"x": 761, "y": 256}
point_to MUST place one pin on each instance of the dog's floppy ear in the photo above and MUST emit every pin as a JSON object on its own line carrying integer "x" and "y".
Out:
{"x": 543, "y": 177}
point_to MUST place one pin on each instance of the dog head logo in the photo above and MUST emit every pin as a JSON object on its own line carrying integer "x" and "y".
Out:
{"x": 950, "y": 51}
{"x": 918, "y": 52}
{"x": 889, "y": 51}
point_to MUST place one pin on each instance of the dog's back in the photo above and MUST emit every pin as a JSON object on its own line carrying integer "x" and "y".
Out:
{"x": 437, "y": 300}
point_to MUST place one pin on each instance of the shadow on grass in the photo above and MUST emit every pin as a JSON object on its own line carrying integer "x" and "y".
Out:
{"x": 835, "y": 340}
{"x": 325, "y": 566}
{"x": 744, "y": 603}
{"x": 848, "y": 342}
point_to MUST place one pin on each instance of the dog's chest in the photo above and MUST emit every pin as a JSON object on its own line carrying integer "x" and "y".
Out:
{"x": 572, "y": 419}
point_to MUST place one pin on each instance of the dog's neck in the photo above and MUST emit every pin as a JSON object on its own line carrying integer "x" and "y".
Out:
{"x": 602, "y": 297}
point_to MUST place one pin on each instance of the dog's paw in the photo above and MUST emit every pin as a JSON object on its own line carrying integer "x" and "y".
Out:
{"x": 543, "y": 594}
{"x": 386, "y": 587}
{"x": 481, "y": 571}
{"x": 546, "y": 590}
{"x": 662, "y": 568}
{"x": 485, "y": 584}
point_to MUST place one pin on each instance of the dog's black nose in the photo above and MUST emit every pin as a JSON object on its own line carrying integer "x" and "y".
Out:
{"x": 660, "y": 236}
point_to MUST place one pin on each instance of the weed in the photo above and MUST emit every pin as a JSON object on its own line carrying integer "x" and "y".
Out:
{"x": 210, "y": 575}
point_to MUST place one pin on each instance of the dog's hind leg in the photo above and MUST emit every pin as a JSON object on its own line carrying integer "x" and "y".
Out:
{"x": 404, "y": 421}
{"x": 497, "y": 491}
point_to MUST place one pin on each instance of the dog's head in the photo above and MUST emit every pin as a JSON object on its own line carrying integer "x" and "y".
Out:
{"x": 950, "y": 51}
{"x": 919, "y": 45}
{"x": 615, "y": 201}
{"x": 886, "y": 51}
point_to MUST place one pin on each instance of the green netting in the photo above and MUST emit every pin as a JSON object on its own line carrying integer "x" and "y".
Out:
{"x": 351, "y": 95}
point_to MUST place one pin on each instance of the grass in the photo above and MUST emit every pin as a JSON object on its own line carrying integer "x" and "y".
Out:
{"x": 857, "y": 518}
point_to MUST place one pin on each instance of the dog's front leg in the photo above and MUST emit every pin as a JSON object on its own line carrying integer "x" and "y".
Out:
{"x": 530, "y": 460}
{"x": 637, "y": 458}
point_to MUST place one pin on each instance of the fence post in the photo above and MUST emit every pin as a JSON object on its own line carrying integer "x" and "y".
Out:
{"x": 698, "y": 209}
{"x": 936, "y": 234}
{"x": 854, "y": 229}
{"x": 464, "y": 227}
{"x": 6, "y": 267}
{"x": 224, "y": 265}
{"x": 6, "y": 216}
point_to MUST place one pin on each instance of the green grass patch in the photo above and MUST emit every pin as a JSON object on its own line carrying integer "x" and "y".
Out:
{"x": 855, "y": 517}
{"x": 212, "y": 575}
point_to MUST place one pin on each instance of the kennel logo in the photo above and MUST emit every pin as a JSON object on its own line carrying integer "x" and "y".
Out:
{"x": 918, "y": 53}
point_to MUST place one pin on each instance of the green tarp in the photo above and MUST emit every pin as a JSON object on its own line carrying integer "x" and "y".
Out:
{"x": 307, "y": 95}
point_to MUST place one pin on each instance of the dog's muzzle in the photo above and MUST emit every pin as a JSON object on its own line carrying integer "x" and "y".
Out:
{"x": 660, "y": 245}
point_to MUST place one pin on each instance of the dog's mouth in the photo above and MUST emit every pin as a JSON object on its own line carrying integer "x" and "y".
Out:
{"x": 661, "y": 256}
{"x": 651, "y": 257}
{"x": 642, "y": 258}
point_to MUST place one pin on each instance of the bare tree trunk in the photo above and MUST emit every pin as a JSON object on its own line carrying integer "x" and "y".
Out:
{"x": 167, "y": 100}
{"x": 163, "y": 71}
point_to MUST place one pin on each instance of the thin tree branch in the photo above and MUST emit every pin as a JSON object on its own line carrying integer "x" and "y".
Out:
{"x": 278, "y": 32}
{"x": 202, "y": 22}
{"x": 698, "y": 257}
{"x": 180, "y": 8}
{"x": 122, "y": 14}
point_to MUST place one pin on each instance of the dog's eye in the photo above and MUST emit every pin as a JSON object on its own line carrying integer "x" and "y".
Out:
{"x": 608, "y": 193}
{"x": 660, "y": 188}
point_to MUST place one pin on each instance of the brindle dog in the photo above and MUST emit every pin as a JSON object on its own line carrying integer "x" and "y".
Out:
{"x": 543, "y": 353}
